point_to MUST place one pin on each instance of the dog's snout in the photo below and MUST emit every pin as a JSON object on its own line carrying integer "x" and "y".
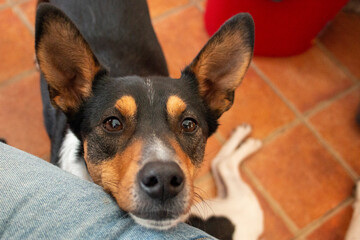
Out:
{"x": 161, "y": 180}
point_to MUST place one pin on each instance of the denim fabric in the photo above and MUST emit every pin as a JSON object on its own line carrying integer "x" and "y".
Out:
{"x": 40, "y": 201}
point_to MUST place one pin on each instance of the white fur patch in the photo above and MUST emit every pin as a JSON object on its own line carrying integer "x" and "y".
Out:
{"x": 159, "y": 225}
{"x": 69, "y": 159}
{"x": 161, "y": 151}
{"x": 157, "y": 150}
{"x": 150, "y": 90}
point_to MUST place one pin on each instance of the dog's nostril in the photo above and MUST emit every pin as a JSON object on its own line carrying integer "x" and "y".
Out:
{"x": 176, "y": 181}
{"x": 150, "y": 181}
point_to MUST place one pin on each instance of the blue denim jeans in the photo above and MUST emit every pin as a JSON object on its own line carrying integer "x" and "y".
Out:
{"x": 41, "y": 201}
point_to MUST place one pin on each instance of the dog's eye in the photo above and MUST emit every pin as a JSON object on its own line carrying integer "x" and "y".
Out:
{"x": 112, "y": 124}
{"x": 189, "y": 125}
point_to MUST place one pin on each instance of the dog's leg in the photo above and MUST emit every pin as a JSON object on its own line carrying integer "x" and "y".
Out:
{"x": 240, "y": 205}
{"x": 229, "y": 169}
{"x": 354, "y": 228}
{"x": 240, "y": 133}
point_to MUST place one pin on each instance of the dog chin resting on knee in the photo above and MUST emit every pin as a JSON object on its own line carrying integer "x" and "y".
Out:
{"x": 115, "y": 116}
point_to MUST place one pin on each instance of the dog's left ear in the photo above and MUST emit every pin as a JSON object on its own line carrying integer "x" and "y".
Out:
{"x": 222, "y": 63}
{"x": 64, "y": 57}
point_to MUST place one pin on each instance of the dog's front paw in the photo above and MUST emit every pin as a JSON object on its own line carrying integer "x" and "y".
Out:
{"x": 243, "y": 129}
{"x": 251, "y": 145}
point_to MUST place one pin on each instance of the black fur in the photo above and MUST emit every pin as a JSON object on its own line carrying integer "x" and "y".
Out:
{"x": 217, "y": 226}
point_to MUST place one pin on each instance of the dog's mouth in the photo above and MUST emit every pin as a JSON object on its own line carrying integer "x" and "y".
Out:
{"x": 157, "y": 215}
{"x": 159, "y": 224}
{"x": 161, "y": 216}
{"x": 161, "y": 195}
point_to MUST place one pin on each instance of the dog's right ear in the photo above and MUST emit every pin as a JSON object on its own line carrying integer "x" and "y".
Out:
{"x": 222, "y": 63}
{"x": 64, "y": 57}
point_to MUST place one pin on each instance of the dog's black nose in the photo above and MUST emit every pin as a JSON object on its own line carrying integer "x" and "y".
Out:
{"x": 161, "y": 180}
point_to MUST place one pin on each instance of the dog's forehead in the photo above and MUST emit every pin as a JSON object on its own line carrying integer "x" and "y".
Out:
{"x": 144, "y": 97}
{"x": 149, "y": 92}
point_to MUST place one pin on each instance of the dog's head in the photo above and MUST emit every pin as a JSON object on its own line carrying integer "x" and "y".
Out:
{"x": 143, "y": 138}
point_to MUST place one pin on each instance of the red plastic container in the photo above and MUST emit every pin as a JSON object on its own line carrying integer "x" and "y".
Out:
{"x": 282, "y": 28}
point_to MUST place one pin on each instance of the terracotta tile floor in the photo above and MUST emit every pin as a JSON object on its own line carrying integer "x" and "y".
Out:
{"x": 303, "y": 107}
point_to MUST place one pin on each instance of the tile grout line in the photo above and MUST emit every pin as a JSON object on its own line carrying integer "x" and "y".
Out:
{"x": 310, "y": 228}
{"x": 274, "y": 205}
{"x": 12, "y": 2}
{"x": 4, "y": 6}
{"x": 339, "y": 64}
{"x": 8, "y": 4}
{"x": 171, "y": 12}
{"x": 198, "y": 5}
{"x": 24, "y": 19}
{"x": 277, "y": 132}
{"x": 17, "y": 78}
{"x": 270, "y": 137}
{"x": 277, "y": 91}
{"x": 303, "y": 119}
{"x": 17, "y": 1}
{"x": 332, "y": 151}
{"x": 326, "y": 103}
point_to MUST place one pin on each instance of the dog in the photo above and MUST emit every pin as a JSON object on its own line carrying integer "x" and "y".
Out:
{"x": 113, "y": 114}
{"x": 353, "y": 231}
{"x": 235, "y": 213}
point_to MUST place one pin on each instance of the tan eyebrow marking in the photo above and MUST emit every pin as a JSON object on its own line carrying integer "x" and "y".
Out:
{"x": 175, "y": 106}
{"x": 127, "y": 106}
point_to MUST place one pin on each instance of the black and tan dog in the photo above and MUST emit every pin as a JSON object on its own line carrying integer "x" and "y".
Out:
{"x": 112, "y": 111}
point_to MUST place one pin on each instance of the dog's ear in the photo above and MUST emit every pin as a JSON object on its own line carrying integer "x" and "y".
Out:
{"x": 222, "y": 63}
{"x": 64, "y": 57}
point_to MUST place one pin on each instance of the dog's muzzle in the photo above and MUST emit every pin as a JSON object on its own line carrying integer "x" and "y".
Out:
{"x": 162, "y": 195}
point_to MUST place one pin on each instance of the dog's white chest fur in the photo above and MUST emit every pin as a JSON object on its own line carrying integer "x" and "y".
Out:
{"x": 69, "y": 160}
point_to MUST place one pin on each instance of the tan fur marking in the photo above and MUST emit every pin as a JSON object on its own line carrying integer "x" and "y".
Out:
{"x": 187, "y": 167}
{"x": 67, "y": 62}
{"x": 118, "y": 175}
{"x": 175, "y": 106}
{"x": 94, "y": 170}
{"x": 127, "y": 106}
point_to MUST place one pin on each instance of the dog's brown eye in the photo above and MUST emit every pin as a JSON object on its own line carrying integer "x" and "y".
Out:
{"x": 112, "y": 124}
{"x": 189, "y": 125}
